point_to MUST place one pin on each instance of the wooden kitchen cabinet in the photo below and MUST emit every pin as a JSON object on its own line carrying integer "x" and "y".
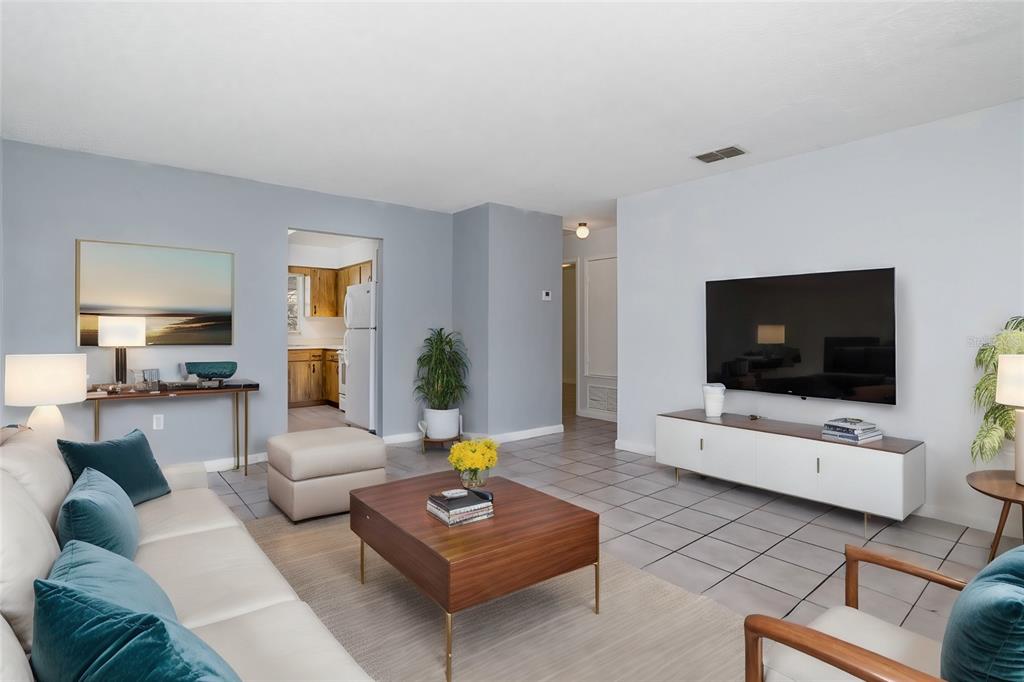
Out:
{"x": 360, "y": 273}
{"x": 323, "y": 290}
{"x": 330, "y": 377}
{"x": 305, "y": 377}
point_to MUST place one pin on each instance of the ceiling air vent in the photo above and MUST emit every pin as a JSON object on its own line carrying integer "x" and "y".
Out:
{"x": 719, "y": 154}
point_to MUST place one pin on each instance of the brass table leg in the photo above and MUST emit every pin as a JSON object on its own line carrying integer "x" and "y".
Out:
{"x": 245, "y": 402}
{"x": 597, "y": 587}
{"x": 234, "y": 428}
{"x": 999, "y": 530}
{"x": 448, "y": 646}
{"x": 362, "y": 561}
{"x": 96, "y": 420}
{"x": 677, "y": 474}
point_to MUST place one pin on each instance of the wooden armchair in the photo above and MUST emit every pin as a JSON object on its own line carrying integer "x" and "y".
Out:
{"x": 835, "y": 650}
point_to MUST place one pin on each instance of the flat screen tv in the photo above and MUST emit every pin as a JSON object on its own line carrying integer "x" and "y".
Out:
{"x": 821, "y": 335}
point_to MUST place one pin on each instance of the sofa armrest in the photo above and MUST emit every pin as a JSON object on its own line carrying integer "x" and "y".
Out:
{"x": 850, "y": 658}
{"x": 185, "y": 476}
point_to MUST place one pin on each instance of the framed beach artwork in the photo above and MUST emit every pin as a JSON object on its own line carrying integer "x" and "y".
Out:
{"x": 186, "y": 295}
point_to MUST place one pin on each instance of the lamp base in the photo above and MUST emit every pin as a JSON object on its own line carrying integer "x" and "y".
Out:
{"x": 1019, "y": 448}
{"x": 121, "y": 365}
{"x": 48, "y": 420}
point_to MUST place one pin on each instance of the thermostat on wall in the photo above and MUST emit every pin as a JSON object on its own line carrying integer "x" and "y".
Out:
{"x": 545, "y": 295}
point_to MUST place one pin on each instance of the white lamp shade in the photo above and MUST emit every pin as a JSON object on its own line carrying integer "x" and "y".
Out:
{"x": 121, "y": 332}
{"x": 771, "y": 333}
{"x": 32, "y": 380}
{"x": 1010, "y": 380}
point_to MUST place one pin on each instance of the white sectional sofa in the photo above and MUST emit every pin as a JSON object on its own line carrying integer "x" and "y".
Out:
{"x": 222, "y": 586}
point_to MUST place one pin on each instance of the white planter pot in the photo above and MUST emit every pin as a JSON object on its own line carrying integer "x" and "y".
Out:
{"x": 441, "y": 423}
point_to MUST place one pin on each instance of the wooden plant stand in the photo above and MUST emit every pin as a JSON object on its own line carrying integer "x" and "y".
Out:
{"x": 426, "y": 442}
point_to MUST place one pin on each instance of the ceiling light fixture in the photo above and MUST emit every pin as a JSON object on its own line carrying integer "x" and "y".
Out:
{"x": 582, "y": 231}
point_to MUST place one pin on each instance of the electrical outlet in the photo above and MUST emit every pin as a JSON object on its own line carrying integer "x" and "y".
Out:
{"x": 158, "y": 422}
{"x": 545, "y": 295}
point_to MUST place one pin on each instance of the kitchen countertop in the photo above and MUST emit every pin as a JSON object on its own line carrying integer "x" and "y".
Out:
{"x": 316, "y": 346}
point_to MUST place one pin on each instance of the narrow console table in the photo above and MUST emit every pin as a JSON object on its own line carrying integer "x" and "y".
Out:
{"x": 239, "y": 393}
{"x": 884, "y": 478}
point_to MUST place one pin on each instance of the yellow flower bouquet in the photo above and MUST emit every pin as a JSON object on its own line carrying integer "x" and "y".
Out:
{"x": 472, "y": 459}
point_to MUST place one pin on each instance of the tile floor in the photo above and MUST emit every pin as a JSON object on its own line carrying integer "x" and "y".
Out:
{"x": 751, "y": 550}
{"x": 315, "y": 417}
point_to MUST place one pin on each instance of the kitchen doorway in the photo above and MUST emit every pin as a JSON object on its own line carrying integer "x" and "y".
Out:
{"x": 333, "y": 303}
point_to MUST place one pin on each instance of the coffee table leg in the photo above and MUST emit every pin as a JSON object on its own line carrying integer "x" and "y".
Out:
{"x": 597, "y": 587}
{"x": 999, "y": 530}
{"x": 362, "y": 561}
{"x": 448, "y": 646}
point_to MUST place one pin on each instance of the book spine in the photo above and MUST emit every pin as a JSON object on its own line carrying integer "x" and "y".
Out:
{"x": 476, "y": 509}
{"x": 451, "y": 522}
{"x": 851, "y": 441}
{"x": 848, "y": 429}
{"x": 480, "y": 505}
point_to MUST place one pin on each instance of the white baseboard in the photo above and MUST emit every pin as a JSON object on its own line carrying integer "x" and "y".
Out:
{"x": 225, "y": 463}
{"x": 596, "y": 414}
{"x": 402, "y": 437}
{"x": 519, "y": 435}
{"x": 632, "y": 446}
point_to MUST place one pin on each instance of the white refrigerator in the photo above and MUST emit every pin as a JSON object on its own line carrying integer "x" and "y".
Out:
{"x": 361, "y": 355}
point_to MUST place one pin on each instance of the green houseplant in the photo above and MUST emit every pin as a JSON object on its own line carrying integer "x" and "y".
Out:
{"x": 997, "y": 424}
{"x": 441, "y": 371}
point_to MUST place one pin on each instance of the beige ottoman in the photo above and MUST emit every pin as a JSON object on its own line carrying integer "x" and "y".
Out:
{"x": 312, "y": 472}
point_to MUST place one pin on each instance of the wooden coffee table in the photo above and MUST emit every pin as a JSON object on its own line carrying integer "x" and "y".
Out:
{"x": 532, "y": 537}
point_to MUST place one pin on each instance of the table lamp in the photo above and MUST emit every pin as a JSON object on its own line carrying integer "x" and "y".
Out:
{"x": 44, "y": 382}
{"x": 119, "y": 333}
{"x": 1010, "y": 392}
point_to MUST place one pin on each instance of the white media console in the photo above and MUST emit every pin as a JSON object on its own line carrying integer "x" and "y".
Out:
{"x": 884, "y": 478}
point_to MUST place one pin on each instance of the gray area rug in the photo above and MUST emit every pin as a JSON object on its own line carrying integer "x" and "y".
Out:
{"x": 648, "y": 629}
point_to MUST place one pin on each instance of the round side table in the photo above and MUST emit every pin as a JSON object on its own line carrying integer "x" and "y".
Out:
{"x": 1000, "y": 484}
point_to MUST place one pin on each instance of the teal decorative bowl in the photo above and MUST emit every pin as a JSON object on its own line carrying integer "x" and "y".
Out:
{"x": 212, "y": 370}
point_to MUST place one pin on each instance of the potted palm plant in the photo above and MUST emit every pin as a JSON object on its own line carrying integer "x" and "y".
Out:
{"x": 441, "y": 371}
{"x": 997, "y": 424}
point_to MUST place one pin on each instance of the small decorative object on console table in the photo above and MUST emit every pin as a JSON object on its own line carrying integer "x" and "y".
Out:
{"x": 120, "y": 333}
{"x": 43, "y": 382}
{"x": 714, "y": 400}
{"x": 1010, "y": 392}
{"x": 472, "y": 459}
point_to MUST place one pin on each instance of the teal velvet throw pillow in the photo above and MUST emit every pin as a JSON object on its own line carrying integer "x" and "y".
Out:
{"x": 99, "y": 512}
{"x": 78, "y": 636}
{"x": 984, "y": 637}
{"x": 128, "y": 461}
{"x": 110, "y": 576}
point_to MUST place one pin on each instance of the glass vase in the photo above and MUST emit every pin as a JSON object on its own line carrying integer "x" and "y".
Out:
{"x": 473, "y": 478}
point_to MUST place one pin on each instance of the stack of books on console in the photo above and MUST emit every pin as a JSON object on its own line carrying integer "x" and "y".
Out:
{"x": 459, "y": 511}
{"x": 850, "y": 430}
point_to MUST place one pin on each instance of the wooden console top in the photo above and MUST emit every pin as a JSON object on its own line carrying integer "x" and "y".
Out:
{"x": 898, "y": 446}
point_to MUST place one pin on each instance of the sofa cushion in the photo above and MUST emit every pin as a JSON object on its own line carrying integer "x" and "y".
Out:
{"x": 99, "y": 512}
{"x": 128, "y": 461}
{"x": 213, "y": 575}
{"x": 110, "y": 577}
{"x": 325, "y": 452}
{"x": 281, "y": 642}
{"x": 856, "y": 627}
{"x": 984, "y": 637}
{"x": 82, "y": 637}
{"x": 35, "y": 461}
{"x": 14, "y": 665}
{"x": 182, "y": 512}
{"x": 26, "y": 553}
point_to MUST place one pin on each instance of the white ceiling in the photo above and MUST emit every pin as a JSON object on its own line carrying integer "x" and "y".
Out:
{"x": 559, "y": 108}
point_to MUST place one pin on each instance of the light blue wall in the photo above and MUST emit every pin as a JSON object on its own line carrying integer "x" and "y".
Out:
{"x": 470, "y": 308}
{"x": 525, "y": 333}
{"x": 53, "y": 197}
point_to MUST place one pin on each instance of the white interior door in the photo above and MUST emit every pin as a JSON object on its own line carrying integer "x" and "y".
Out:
{"x": 600, "y": 339}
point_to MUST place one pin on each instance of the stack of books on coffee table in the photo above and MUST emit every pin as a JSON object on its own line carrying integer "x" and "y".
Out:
{"x": 460, "y": 510}
{"x": 850, "y": 430}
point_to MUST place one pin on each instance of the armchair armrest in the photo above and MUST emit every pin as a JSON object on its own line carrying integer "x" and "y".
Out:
{"x": 855, "y": 555}
{"x": 185, "y": 476}
{"x": 850, "y": 658}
